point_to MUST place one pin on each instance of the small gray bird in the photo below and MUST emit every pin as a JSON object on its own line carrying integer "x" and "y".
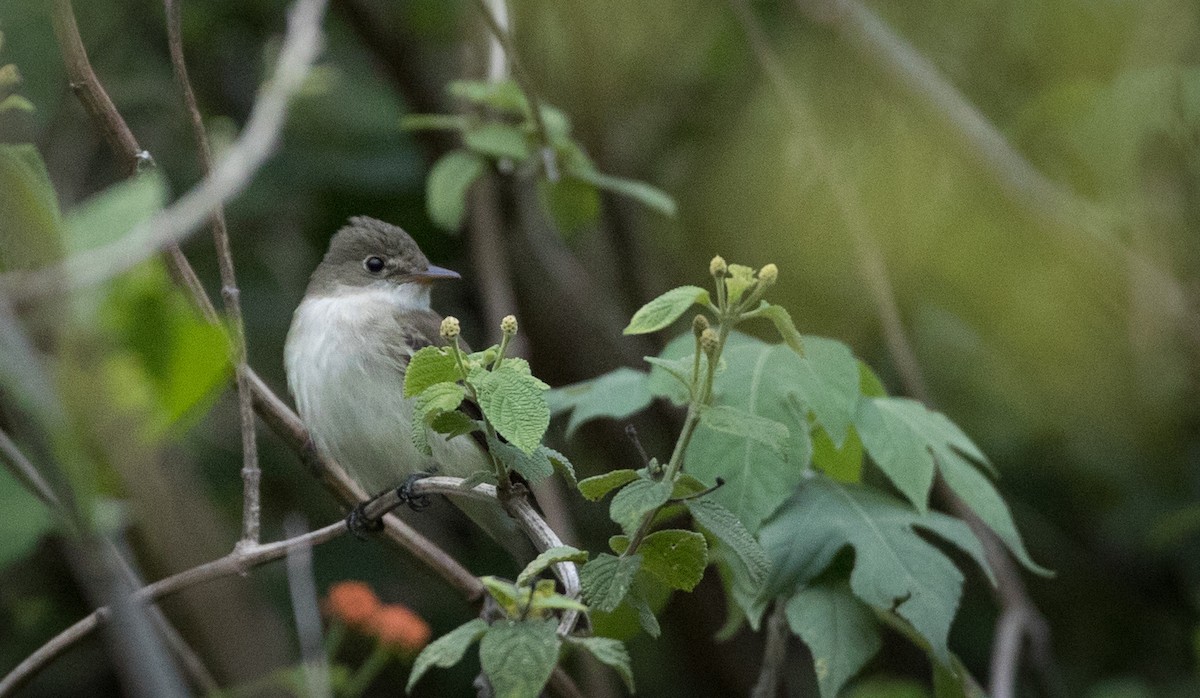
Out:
{"x": 365, "y": 313}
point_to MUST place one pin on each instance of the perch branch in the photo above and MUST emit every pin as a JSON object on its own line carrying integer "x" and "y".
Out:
{"x": 230, "y": 293}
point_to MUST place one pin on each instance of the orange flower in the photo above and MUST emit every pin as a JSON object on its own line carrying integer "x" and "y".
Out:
{"x": 398, "y": 627}
{"x": 353, "y": 603}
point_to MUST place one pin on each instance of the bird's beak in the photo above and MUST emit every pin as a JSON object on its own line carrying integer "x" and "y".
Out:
{"x": 434, "y": 273}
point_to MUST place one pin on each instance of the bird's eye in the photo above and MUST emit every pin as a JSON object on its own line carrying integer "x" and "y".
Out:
{"x": 373, "y": 264}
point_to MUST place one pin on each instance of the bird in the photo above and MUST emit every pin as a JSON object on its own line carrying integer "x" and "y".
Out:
{"x": 364, "y": 314}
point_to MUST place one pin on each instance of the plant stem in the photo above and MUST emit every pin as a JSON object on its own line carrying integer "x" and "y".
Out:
{"x": 366, "y": 673}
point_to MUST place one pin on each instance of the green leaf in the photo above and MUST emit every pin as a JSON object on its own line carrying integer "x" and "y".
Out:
{"x": 506, "y": 594}
{"x": 503, "y": 95}
{"x": 894, "y": 568}
{"x": 109, "y": 215}
{"x": 535, "y": 466}
{"x": 610, "y": 652}
{"x": 842, "y": 464}
{"x": 561, "y": 465}
{"x": 649, "y": 196}
{"x": 606, "y": 580}
{"x": 760, "y": 380}
{"x": 869, "y": 383}
{"x": 615, "y": 395}
{"x": 447, "y": 650}
{"x": 452, "y": 424}
{"x": 828, "y": 382}
{"x": 429, "y": 366}
{"x": 433, "y": 122}
{"x": 439, "y": 397}
{"x": 840, "y": 630}
{"x": 26, "y": 520}
{"x": 665, "y": 309}
{"x": 446, "y": 188}
{"x": 728, "y": 529}
{"x": 645, "y": 614}
{"x": 637, "y": 499}
{"x": 677, "y": 558}
{"x": 518, "y": 656}
{"x": 594, "y": 488}
{"x": 514, "y": 402}
{"x": 498, "y": 140}
{"x": 740, "y": 279}
{"x": 783, "y": 324}
{"x": 561, "y": 553}
{"x": 572, "y": 203}
{"x": 731, "y": 420}
{"x": 29, "y": 213}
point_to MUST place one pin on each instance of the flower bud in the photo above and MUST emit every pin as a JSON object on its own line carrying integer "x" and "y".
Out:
{"x": 768, "y": 274}
{"x": 699, "y": 324}
{"x": 509, "y": 324}
{"x": 717, "y": 266}
{"x": 709, "y": 341}
{"x": 450, "y": 328}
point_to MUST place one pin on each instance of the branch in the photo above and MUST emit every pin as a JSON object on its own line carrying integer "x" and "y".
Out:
{"x": 1010, "y": 591}
{"x": 241, "y": 560}
{"x": 104, "y": 114}
{"x": 230, "y": 294}
{"x": 518, "y": 506}
{"x": 229, "y": 177}
{"x": 774, "y": 655}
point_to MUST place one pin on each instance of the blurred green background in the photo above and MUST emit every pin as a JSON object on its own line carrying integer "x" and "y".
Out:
{"x": 1045, "y": 273}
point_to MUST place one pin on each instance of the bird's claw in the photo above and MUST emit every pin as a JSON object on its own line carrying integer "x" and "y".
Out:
{"x": 416, "y": 502}
{"x": 360, "y": 524}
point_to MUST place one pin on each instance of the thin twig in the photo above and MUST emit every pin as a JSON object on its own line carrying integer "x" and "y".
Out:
{"x": 230, "y": 293}
{"x": 25, "y": 472}
{"x": 301, "y": 45}
{"x": 120, "y": 138}
{"x": 774, "y": 655}
{"x": 1010, "y": 590}
{"x": 524, "y": 81}
{"x": 517, "y": 505}
{"x": 241, "y": 560}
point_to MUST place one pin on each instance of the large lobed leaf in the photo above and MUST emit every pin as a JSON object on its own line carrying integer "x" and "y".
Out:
{"x": 840, "y": 631}
{"x": 894, "y": 568}
{"x": 616, "y": 395}
{"x": 910, "y": 442}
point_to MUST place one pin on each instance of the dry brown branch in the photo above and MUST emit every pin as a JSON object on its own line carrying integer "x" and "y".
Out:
{"x": 257, "y": 141}
{"x": 230, "y": 293}
{"x": 120, "y": 138}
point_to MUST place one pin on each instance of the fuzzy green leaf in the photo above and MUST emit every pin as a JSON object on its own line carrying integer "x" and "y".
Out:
{"x": 535, "y": 466}
{"x": 433, "y": 122}
{"x": 514, "y": 402}
{"x": 610, "y": 652}
{"x": 677, "y": 558}
{"x": 561, "y": 553}
{"x": 647, "y": 195}
{"x": 573, "y": 203}
{"x": 665, "y": 309}
{"x": 503, "y": 95}
{"x": 894, "y": 568}
{"x": 728, "y": 529}
{"x": 518, "y": 656}
{"x": 783, "y": 324}
{"x": 637, "y": 499}
{"x": 594, "y": 488}
{"x": 109, "y": 215}
{"x": 561, "y": 465}
{"x": 731, "y": 420}
{"x": 446, "y": 188}
{"x": 614, "y": 395}
{"x": 606, "y": 580}
{"x": 429, "y": 365}
{"x": 840, "y": 630}
{"x": 498, "y": 140}
{"x": 437, "y": 398}
{"x": 452, "y": 424}
{"x": 447, "y": 650}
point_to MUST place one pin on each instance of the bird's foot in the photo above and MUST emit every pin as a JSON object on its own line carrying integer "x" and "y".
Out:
{"x": 416, "y": 502}
{"x": 360, "y": 524}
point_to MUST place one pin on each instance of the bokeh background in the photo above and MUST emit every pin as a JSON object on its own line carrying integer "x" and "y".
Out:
{"x": 1023, "y": 177}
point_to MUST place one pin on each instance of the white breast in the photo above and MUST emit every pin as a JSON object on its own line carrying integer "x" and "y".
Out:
{"x": 348, "y": 382}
